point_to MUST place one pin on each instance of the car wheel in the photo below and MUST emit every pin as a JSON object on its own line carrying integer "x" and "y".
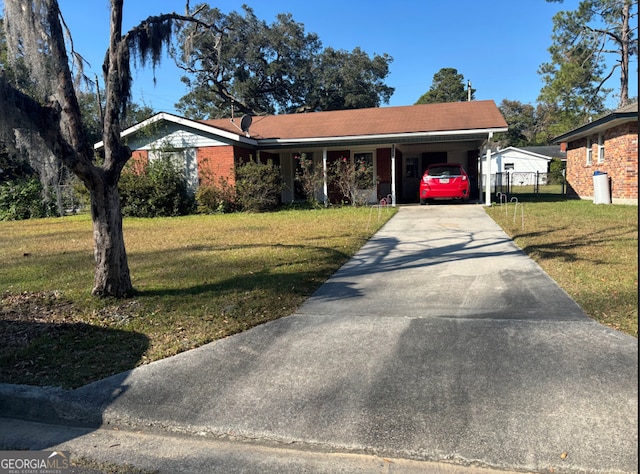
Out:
{"x": 423, "y": 201}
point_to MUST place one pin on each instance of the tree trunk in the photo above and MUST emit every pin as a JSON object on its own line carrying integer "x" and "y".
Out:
{"x": 624, "y": 60}
{"x": 112, "y": 269}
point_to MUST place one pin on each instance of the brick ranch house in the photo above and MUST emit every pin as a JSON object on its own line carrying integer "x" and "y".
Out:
{"x": 607, "y": 145}
{"x": 399, "y": 142}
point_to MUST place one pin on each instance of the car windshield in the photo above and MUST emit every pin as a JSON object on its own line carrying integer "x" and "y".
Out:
{"x": 444, "y": 171}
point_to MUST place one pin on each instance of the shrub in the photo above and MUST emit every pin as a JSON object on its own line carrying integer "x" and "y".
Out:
{"x": 160, "y": 190}
{"x": 350, "y": 179}
{"x": 22, "y": 199}
{"x": 258, "y": 186}
{"x": 556, "y": 171}
{"x": 216, "y": 198}
{"x": 311, "y": 180}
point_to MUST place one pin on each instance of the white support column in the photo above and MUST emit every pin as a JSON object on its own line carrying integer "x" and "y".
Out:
{"x": 393, "y": 175}
{"x": 325, "y": 185}
{"x": 487, "y": 187}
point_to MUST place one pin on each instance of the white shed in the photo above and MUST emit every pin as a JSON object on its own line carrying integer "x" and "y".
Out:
{"x": 524, "y": 164}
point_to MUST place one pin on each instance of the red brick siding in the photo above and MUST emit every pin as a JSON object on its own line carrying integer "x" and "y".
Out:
{"x": 620, "y": 163}
{"x": 139, "y": 160}
{"x": 214, "y": 163}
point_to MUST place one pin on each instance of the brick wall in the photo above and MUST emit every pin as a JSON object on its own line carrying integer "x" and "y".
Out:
{"x": 620, "y": 163}
{"x": 216, "y": 162}
{"x": 139, "y": 160}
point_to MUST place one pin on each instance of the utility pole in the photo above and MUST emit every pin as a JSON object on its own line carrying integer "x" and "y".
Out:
{"x": 468, "y": 91}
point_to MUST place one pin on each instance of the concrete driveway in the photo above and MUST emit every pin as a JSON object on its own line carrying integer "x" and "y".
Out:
{"x": 440, "y": 341}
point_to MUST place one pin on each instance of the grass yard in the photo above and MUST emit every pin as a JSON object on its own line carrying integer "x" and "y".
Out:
{"x": 199, "y": 278}
{"x": 202, "y": 278}
{"x": 590, "y": 250}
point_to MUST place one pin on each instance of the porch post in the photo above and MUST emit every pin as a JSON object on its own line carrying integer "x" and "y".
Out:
{"x": 487, "y": 187}
{"x": 393, "y": 175}
{"x": 325, "y": 185}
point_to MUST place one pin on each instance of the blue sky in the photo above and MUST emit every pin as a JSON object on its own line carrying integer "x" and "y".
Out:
{"x": 498, "y": 45}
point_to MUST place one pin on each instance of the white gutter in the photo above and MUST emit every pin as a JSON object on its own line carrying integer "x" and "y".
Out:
{"x": 380, "y": 137}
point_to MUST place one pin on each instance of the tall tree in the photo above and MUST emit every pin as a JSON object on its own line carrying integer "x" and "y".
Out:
{"x": 447, "y": 86}
{"x": 261, "y": 68}
{"x": 589, "y": 45}
{"x": 348, "y": 80}
{"x": 523, "y": 124}
{"x": 35, "y": 35}
{"x": 250, "y": 65}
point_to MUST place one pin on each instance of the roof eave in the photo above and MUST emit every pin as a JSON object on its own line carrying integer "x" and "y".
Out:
{"x": 526, "y": 152}
{"x": 185, "y": 122}
{"x": 384, "y": 137}
{"x": 600, "y": 125}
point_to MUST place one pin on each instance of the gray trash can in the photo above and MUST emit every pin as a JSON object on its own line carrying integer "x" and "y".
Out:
{"x": 601, "y": 193}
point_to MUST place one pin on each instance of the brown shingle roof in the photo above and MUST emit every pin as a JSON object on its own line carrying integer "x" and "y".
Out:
{"x": 454, "y": 116}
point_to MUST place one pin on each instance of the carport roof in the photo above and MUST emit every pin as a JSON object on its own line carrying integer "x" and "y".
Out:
{"x": 473, "y": 116}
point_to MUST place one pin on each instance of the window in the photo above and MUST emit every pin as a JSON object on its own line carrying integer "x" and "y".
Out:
{"x": 412, "y": 168}
{"x": 509, "y": 167}
{"x": 601, "y": 148}
{"x": 589, "y": 152}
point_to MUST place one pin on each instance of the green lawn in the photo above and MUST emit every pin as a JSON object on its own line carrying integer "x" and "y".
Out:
{"x": 202, "y": 278}
{"x": 199, "y": 278}
{"x": 590, "y": 250}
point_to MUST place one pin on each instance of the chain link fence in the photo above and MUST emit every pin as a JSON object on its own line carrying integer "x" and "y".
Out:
{"x": 517, "y": 182}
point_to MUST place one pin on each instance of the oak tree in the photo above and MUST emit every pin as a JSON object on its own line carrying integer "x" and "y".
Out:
{"x": 259, "y": 68}
{"x": 35, "y": 35}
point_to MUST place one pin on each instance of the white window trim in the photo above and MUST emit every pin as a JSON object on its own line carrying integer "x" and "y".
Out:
{"x": 589, "y": 155}
{"x": 601, "y": 148}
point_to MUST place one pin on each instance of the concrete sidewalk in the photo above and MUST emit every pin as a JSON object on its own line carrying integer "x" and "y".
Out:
{"x": 440, "y": 341}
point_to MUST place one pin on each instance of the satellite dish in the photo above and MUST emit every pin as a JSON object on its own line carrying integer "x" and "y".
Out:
{"x": 245, "y": 123}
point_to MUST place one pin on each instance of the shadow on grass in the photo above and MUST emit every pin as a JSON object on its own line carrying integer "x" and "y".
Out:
{"x": 568, "y": 248}
{"x": 200, "y": 269}
{"x": 65, "y": 354}
{"x": 535, "y": 197}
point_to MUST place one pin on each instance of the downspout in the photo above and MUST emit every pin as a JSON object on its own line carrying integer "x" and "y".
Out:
{"x": 325, "y": 185}
{"x": 393, "y": 175}
{"x": 487, "y": 187}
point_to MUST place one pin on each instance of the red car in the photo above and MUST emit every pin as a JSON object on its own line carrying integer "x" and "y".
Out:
{"x": 444, "y": 181}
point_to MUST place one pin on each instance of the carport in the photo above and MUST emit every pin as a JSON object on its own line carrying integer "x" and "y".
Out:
{"x": 402, "y": 142}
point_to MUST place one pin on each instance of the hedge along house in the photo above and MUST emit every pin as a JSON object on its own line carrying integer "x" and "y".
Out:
{"x": 607, "y": 145}
{"x": 397, "y": 142}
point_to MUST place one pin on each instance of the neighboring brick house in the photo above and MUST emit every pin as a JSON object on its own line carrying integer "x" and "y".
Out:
{"x": 399, "y": 142}
{"x": 607, "y": 145}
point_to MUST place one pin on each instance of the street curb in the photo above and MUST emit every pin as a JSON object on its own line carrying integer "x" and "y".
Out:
{"x": 46, "y": 405}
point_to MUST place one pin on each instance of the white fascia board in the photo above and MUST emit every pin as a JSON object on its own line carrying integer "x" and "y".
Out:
{"x": 504, "y": 151}
{"x": 185, "y": 123}
{"x": 381, "y": 137}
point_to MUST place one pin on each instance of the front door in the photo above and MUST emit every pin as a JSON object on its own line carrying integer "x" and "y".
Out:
{"x": 410, "y": 179}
